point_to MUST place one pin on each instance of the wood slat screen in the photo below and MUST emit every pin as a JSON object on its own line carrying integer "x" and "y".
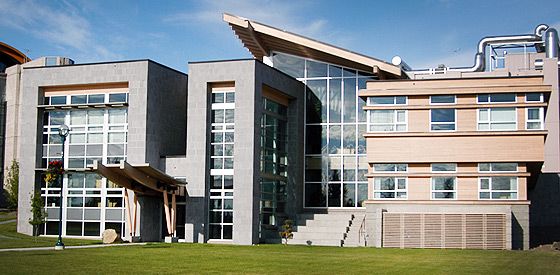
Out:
{"x": 422, "y": 230}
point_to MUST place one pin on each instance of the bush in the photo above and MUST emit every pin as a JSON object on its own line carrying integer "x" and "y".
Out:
{"x": 12, "y": 185}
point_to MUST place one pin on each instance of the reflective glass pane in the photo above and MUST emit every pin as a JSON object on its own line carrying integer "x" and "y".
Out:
{"x": 442, "y": 99}
{"x": 315, "y": 69}
{"x": 290, "y": 65}
{"x": 79, "y": 99}
{"x": 443, "y": 115}
{"x": 335, "y": 101}
{"x": 121, "y": 97}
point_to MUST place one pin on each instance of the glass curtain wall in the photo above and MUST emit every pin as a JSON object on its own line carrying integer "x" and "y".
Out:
{"x": 92, "y": 203}
{"x": 221, "y": 165}
{"x": 335, "y": 149}
{"x": 274, "y": 163}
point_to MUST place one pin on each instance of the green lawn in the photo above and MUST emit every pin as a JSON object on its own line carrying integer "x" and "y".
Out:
{"x": 261, "y": 259}
{"x": 204, "y": 258}
{"x": 9, "y": 238}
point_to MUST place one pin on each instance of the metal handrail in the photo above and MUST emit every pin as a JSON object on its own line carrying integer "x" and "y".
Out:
{"x": 362, "y": 233}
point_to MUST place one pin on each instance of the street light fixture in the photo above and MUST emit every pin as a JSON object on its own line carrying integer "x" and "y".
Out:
{"x": 63, "y": 131}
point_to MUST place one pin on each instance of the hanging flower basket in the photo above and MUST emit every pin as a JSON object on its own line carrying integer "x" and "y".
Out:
{"x": 54, "y": 170}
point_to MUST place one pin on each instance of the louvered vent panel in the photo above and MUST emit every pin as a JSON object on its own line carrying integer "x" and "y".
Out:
{"x": 422, "y": 230}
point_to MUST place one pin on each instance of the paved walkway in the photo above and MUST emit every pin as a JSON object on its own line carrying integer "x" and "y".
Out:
{"x": 69, "y": 247}
{"x": 8, "y": 221}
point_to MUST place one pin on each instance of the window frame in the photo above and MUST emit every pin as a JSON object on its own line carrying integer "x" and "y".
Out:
{"x": 444, "y": 123}
{"x": 540, "y": 120}
{"x": 396, "y": 170}
{"x": 541, "y": 97}
{"x": 443, "y": 172}
{"x": 444, "y": 103}
{"x": 490, "y": 122}
{"x": 489, "y": 97}
{"x": 493, "y": 171}
{"x": 394, "y": 124}
{"x": 395, "y": 191}
{"x": 368, "y": 101}
{"x": 433, "y": 190}
{"x": 490, "y": 190}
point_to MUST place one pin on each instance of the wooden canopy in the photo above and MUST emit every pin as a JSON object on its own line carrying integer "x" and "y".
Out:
{"x": 261, "y": 40}
{"x": 147, "y": 181}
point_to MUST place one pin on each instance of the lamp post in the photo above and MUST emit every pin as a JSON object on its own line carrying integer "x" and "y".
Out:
{"x": 63, "y": 131}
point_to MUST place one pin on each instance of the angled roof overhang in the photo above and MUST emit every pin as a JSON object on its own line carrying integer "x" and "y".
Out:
{"x": 261, "y": 40}
{"x": 12, "y": 54}
{"x": 140, "y": 178}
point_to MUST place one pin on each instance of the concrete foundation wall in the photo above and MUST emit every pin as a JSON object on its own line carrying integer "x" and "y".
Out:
{"x": 517, "y": 218}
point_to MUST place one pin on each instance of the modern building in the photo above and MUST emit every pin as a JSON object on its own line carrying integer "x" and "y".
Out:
{"x": 9, "y": 56}
{"x": 357, "y": 151}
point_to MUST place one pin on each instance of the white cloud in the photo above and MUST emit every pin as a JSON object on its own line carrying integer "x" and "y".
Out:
{"x": 286, "y": 15}
{"x": 63, "y": 26}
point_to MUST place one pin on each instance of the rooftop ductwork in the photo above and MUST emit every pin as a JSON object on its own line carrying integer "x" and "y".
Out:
{"x": 542, "y": 33}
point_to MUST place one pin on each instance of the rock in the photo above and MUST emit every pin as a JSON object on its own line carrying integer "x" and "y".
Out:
{"x": 556, "y": 245}
{"x": 111, "y": 236}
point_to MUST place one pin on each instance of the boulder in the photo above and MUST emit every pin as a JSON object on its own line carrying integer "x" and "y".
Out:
{"x": 556, "y": 245}
{"x": 111, "y": 236}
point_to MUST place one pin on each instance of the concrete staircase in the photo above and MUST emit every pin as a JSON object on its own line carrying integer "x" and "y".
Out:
{"x": 327, "y": 229}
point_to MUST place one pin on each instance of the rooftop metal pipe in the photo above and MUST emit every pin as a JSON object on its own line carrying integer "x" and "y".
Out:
{"x": 551, "y": 43}
{"x": 480, "y": 57}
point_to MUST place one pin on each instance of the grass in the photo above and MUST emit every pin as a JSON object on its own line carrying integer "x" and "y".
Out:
{"x": 268, "y": 259}
{"x": 262, "y": 259}
{"x": 9, "y": 238}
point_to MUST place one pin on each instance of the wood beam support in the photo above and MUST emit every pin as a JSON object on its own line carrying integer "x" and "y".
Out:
{"x": 256, "y": 40}
{"x": 167, "y": 214}
{"x": 173, "y": 215}
{"x": 127, "y": 209}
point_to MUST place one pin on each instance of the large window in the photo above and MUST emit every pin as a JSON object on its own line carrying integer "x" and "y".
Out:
{"x": 498, "y": 188}
{"x": 387, "y": 120}
{"x": 444, "y": 188}
{"x": 497, "y": 119}
{"x": 220, "y": 216}
{"x": 390, "y": 188}
{"x": 442, "y": 119}
{"x": 534, "y": 118}
{"x": 92, "y": 203}
{"x": 335, "y": 124}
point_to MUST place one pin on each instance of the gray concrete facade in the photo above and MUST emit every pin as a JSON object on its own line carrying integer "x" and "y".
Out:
{"x": 248, "y": 76}
{"x": 145, "y": 79}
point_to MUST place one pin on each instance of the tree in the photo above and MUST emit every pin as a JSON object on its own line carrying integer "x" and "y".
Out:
{"x": 39, "y": 215}
{"x": 12, "y": 185}
{"x": 287, "y": 231}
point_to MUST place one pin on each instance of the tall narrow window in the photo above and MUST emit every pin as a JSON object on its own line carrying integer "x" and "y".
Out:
{"x": 220, "y": 216}
{"x": 534, "y": 118}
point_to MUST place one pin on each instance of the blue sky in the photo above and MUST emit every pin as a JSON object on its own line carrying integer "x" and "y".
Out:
{"x": 424, "y": 32}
